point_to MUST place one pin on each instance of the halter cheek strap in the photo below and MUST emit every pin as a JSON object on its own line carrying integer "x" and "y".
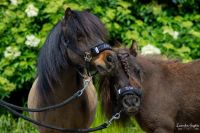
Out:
{"x": 87, "y": 55}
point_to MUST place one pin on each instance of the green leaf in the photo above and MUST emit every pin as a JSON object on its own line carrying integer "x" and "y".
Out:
{"x": 9, "y": 71}
{"x": 110, "y": 13}
{"x": 187, "y": 24}
{"x": 124, "y": 4}
{"x": 195, "y": 33}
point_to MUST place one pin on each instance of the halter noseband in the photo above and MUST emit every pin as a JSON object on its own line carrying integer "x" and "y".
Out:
{"x": 128, "y": 90}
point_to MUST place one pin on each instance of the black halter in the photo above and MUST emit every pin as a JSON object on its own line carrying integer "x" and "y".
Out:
{"x": 100, "y": 48}
{"x": 87, "y": 55}
{"x": 128, "y": 90}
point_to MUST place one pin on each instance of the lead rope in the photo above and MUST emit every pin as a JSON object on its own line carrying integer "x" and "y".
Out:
{"x": 100, "y": 127}
{"x": 76, "y": 95}
{"x": 86, "y": 82}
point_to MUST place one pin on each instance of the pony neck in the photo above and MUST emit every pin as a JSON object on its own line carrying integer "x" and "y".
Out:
{"x": 70, "y": 82}
{"x": 149, "y": 67}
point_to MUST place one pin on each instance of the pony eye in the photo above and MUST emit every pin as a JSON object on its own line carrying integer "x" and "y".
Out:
{"x": 109, "y": 58}
{"x": 137, "y": 71}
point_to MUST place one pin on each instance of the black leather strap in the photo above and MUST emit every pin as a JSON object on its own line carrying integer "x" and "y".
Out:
{"x": 92, "y": 51}
{"x": 100, "y": 48}
{"x": 129, "y": 90}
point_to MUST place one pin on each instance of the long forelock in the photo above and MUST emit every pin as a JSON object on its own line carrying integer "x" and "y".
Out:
{"x": 87, "y": 25}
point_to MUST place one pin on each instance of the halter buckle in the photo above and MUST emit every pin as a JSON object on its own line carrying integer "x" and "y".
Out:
{"x": 87, "y": 57}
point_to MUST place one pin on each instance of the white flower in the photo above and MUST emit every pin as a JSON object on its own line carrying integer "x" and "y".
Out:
{"x": 174, "y": 34}
{"x": 150, "y": 49}
{"x": 32, "y": 41}
{"x": 11, "y": 52}
{"x": 31, "y": 11}
{"x": 13, "y": 2}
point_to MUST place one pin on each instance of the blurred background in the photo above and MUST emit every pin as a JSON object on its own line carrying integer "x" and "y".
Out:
{"x": 170, "y": 28}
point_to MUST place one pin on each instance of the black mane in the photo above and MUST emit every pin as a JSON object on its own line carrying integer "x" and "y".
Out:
{"x": 52, "y": 59}
{"x": 53, "y": 55}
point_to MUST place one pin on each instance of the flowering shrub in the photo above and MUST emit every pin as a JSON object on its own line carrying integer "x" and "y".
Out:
{"x": 32, "y": 41}
{"x": 172, "y": 26}
{"x": 23, "y": 28}
{"x": 150, "y": 49}
{"x": 31, "y": 11}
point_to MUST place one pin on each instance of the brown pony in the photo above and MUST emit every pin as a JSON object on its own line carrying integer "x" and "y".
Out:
{"x": 171, "y": 90}
{"x": 58, "y": 79}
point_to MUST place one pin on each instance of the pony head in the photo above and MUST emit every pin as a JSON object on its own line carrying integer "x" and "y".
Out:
{"x": 81, "y": 31}
{"x": 121, "y": 83}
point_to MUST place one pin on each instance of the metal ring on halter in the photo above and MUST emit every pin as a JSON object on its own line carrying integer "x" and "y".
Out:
{"x": 86, "y": 83}
{"x": 87, "y": 57}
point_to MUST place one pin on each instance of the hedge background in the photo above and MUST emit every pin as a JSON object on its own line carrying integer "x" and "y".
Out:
{"x": 173, "y": 26}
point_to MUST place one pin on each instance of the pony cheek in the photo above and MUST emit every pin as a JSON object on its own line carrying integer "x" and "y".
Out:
{"x": 100, "y": 65}
{"x": 75, "y": 58}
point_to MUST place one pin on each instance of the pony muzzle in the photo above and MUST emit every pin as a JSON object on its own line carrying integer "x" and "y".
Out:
{"x": 129, "y": 99}
{"x": 130, "y": 103}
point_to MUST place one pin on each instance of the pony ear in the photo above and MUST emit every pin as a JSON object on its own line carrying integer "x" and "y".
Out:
{"x": 133, "y": 48}
{"x": 68, "y": 12}
{"x": 117, "y": 44}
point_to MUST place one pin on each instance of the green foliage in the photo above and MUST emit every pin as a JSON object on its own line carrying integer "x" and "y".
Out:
{"x": 167, "y": 26}
{"x": 172, "y": 25}
{"x": 10, "y": 125}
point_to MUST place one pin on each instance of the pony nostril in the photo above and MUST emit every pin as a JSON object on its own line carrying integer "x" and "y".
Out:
{"x": 131, "y": 100}
{"x": 126, "y": 102}
{"x": 109, "y": 59}
{"x": 137, "y": 101}
{"x": 131, "y": 103}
